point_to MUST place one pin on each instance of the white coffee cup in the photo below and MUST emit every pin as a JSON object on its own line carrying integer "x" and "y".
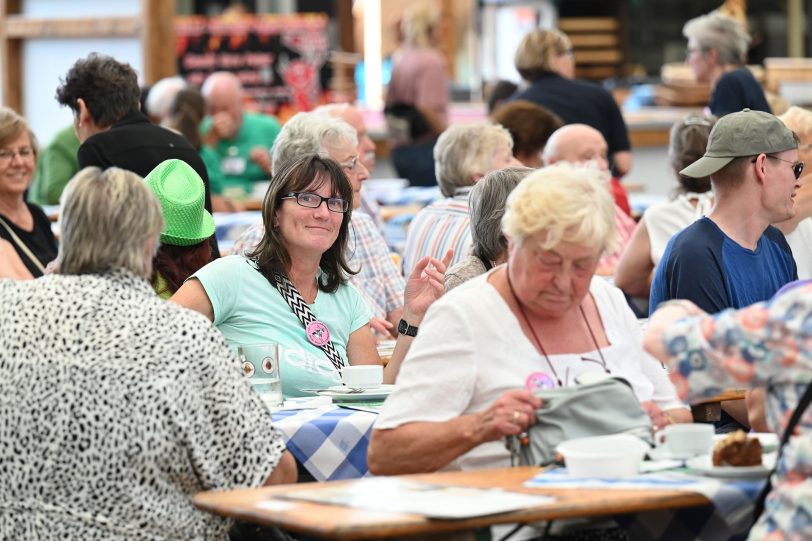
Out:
{"x": 364, "y": 376}
{"x": 686, "y": 440}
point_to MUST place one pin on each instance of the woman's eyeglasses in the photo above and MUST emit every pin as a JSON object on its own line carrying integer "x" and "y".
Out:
{"x": 797, "y": 167}
{"x": 7, "y": 154}
{"x": 314, "y": 201}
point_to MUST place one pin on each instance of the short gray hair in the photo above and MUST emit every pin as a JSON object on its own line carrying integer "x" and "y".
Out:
{"x": 798, "y": 120}
{"x": 162, "y": 95}
{"x": 724, "y": 34}
{"x": 106, "y": 220}
{"x": 487, "y": 201}
{"x": 464, "y": 150}
{"x": 310, "y": 133}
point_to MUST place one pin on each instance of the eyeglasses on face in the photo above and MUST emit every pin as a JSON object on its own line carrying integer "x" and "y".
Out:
{"x": 350, "y": 166}
{"x": 314, "y": 200}
{"x": 7, "y": 154}
{"x": 797, "y": 166}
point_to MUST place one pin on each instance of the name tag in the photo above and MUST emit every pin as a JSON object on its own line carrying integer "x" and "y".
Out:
{"x": 232, "y": 165}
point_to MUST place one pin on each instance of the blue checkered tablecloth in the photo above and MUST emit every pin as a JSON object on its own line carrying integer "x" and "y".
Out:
{"x": 728, "y": 517}
{"x": 330, "y": 442}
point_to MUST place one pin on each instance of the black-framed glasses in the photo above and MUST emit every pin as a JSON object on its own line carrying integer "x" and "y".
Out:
{"x": 314, "y": 201}
{"x": 797, "y": 166}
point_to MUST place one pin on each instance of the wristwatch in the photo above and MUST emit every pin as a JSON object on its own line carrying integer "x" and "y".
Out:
{"x": 405, "y": 328}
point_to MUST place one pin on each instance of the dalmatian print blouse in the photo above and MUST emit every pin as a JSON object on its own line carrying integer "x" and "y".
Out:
{"x": 115, "y": 408}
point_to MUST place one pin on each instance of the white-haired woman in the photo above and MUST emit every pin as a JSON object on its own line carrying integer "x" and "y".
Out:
{"x": 539, "y": 321}
{"x": 464, "y": 154}
{"x": 717, "y": 50}
{"x": 126, "y": 405}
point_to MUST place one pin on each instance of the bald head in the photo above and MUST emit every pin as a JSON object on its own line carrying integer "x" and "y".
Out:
{"x": 351, "y": 115}
{"x": 223, "y": 93}
{"x": 577, "y": 143}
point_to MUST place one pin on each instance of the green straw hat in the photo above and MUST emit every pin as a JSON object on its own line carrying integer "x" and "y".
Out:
{"x": 181, "y": 193}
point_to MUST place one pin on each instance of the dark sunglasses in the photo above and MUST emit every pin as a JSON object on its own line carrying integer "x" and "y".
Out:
{"x": 797, "y": 167}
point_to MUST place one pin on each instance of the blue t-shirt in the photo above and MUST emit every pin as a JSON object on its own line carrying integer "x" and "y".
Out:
{"x": 737, "y": 90}
{"x": 705, "y": 266}
{"x": 249, "y": 310}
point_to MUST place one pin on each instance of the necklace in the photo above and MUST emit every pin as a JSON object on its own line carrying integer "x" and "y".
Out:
{"x": 538, "y": 342}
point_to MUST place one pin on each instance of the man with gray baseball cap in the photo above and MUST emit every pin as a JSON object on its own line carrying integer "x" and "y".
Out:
{"x": 733, "y": 257}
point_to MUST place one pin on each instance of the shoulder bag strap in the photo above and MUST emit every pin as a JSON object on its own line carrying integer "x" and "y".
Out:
{"x": 803, "y": 403}
{"x": 303, "y": 312}
{"x": 22, "y": 246}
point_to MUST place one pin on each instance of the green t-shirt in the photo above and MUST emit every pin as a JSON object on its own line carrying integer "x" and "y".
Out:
{"x": 230, "y": 162}
{"x": 56, "y": 165}
{"x": 249, "y": 310}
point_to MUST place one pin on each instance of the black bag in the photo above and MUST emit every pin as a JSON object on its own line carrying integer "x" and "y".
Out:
{"x": 404, "y": 122}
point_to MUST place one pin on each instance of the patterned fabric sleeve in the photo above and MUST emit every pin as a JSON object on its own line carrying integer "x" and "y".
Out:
{"x": 740, "y": 348}
{"x": 228, "y": 430}
{"x": 248, "y": 240}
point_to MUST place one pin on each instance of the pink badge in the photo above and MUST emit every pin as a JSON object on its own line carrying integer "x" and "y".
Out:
{"x": 539, "y": 380}
{"x": 317, "y": 333}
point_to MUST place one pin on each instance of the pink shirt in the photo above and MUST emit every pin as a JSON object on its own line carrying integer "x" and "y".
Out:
{"x": 420, "y": 78}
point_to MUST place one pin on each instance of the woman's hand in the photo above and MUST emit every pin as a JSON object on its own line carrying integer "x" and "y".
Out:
{"x": 659, "y": 419}
{"x": 381, "y": 326}
{"x": 510, "y": 415}
{"x": 424, "y": 286}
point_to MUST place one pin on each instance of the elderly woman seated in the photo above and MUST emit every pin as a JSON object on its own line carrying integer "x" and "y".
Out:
{"x": 489, "y": 248}
{"x": 539, "y": 321}
{"x": 125, "y": 405}
{"x": 292, "y": 290}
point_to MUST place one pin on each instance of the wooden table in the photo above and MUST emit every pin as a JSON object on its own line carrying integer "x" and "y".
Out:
{"x": 346, "y": 523}
{"x": 709, "y": 410}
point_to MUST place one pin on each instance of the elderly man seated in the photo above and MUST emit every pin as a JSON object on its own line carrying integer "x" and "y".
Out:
{"x": 378, "y": 278}
{"x": 463, "y": 154}
{"x": 236, "y": 143}
{"x": 582, "y": 144}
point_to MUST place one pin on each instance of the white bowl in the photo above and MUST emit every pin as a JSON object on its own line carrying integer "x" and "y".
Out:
{"x": 607, "y": 457}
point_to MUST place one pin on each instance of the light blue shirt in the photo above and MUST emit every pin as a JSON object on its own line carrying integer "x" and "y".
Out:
{"x": 249, "y": 310}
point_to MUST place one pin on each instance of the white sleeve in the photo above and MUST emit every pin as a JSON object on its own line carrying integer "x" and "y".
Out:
{"x": 438, "y": 377}
{"x": 664, "y": 394}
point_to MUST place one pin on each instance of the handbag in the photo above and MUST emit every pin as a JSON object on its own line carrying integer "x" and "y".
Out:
{"x": 601, "y": 408}
{"x": 405, "y": 123}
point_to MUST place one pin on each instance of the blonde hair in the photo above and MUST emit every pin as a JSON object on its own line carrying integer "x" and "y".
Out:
{"x": 798, "y": 120}
{"x": 418, "y": 23}
{"x": 565, "y": 203}
{"x": 721, "y": 33}
{"x": 465, "y": 150}
{"x": 106, "y": 219}
{"x": 12, "y": 124}
{"x": 538, "y": 49}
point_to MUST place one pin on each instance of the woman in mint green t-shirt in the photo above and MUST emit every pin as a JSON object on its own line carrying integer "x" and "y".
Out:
{"x": 300, "y": 259}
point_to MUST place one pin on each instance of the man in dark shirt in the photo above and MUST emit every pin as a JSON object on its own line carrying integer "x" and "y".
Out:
{"x": 104, "y": 97}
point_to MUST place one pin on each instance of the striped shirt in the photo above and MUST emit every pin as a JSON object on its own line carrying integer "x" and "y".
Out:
{"x": 378, "y": 279}
{"x": 441, "y": 226}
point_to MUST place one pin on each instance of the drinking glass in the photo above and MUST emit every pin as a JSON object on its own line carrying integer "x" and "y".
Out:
{"x": 260, "y": 364}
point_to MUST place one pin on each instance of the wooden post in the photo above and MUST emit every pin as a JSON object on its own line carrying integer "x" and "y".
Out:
{"x": 158, "y": 40}
{"x": 154, "y": 26}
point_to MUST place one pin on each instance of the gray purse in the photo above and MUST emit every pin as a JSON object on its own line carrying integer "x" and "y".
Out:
{"x": 605, "y": 407}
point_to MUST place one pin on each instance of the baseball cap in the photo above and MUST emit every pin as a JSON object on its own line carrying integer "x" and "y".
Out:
{"x": 746, "y": 133}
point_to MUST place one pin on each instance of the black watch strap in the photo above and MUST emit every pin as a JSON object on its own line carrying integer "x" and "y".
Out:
{"x": 405, "y": 328}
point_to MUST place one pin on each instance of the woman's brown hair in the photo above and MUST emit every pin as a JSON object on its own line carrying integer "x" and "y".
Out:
{"x": 307, "y": 173}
